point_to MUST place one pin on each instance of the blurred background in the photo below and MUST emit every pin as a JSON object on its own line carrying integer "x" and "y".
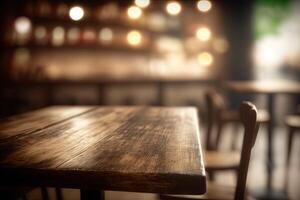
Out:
{"x": 117, "y": 52}
{"x": 149, "y": 52}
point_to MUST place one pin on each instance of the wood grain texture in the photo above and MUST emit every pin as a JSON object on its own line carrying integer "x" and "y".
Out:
{"x": 39, "y": 119}
{"x": 264, "y": 87}
{"x": 142, "y": 149}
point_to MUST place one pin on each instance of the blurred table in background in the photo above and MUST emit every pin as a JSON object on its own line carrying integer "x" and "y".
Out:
{"x": 270, "y": 89}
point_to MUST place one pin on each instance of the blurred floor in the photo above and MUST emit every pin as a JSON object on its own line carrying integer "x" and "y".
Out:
{"x": 256, "y": 176}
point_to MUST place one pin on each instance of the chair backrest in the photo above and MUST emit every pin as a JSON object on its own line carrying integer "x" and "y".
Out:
{"x": 248, "y": 115}
{"x": 215, "y": 104}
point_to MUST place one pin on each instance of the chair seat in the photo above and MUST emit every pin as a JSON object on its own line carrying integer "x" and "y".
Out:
{"x": 233, "y": 116}
{"x": 263, "y": 116}
{"x": 218, "y": 160}
{"x": 293, "y": 121}
{"x": 230, "y": 116}
{"x": 214, "y": 192}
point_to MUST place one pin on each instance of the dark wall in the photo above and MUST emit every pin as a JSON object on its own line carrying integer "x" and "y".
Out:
{"x": 238, "y": 29}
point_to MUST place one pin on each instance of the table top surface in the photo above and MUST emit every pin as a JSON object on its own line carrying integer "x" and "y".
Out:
{"x": 257, "y": 86}
{"x": 142, "y": 149}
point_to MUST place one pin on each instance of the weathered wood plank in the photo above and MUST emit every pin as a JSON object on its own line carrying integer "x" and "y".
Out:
{"x": 145, "y": 149}
{"x": 39, "y": 119}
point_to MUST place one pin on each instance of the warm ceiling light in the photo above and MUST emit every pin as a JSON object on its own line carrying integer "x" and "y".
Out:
{"x": 203, "y": 34}
{"x": 205, "y": 59}
{"x": 134, "y": 12}
{"x": 142, "y": 3}
{"x": 134, "y": 38}
{"x": 76, "y": 13}
{"x": 204, "y": 5}
{"x": 105, "y": 35}
{"x": 22, "y": 25}
{"x": 173, "y": 8}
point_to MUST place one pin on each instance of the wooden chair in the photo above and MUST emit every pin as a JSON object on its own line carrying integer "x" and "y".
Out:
{"x": 293, "y": 124}
{"x": 248, "y": 115}
{"x": 216, "y": 160}
{"x": 222, "y": 116}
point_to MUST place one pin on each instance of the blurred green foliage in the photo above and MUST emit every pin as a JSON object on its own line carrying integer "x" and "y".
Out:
{"x": 268, "y": 16}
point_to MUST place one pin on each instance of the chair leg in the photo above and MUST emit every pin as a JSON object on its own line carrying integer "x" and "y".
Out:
{"x": 44, "y": 193}
{"x": 219, "y": 132}
{"x": 289, "y": 146}
{"x": 58, "y": 193}
{"x": 211, "y": 176}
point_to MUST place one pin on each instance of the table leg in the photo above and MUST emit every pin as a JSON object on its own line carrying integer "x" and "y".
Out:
{"x": 270, "y": 158}
{"x": 58, "y": 193}
{"x": 91, "y": 194}
{"x": 44, "y": 193}
{"x": 160, "y": 94}
{"x": 269, "y": 193}
{"x": 101, "y": 94}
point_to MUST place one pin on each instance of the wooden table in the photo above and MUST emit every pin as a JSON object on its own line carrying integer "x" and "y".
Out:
{"x": 141, "y": 149}
{"x": 271, "y": 89}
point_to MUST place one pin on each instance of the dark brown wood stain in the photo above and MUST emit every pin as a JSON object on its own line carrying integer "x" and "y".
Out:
{"x": 142, "y": 149}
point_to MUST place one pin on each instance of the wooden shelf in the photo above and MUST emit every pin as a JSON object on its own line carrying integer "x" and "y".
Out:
{"x": 105, "y": 80}
{"x": 76, "y": 47}
{"x": 94, "y": 23}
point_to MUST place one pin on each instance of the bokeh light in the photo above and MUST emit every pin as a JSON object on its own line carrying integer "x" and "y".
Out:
{"x": 204, "y": 5}
{"x": 105, "y": 35}
{"x": 157, "y": 21}
{"x": 58, "y": 36}
{"x": 134, "y": 12}
{"x": 203, "y": 34}
{"x": 76, "y": 13}
{"x": 73, "y": 35}
{"x": 173, "y": 8}
{"x": 142, "y": 3}
{"x": 134, "y": 38}
{"x": 205, "y": 59}
{"x": 21, "y": 57}
{"x": 89, "y": 35}
{"x": 22, "y": 25}
{"x": 40, "y": 34}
